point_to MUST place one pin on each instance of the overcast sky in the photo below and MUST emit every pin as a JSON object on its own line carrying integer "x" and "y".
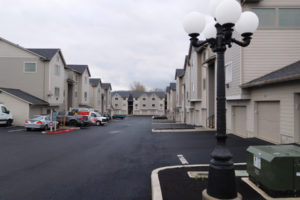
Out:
{"x": 121, "y": 40}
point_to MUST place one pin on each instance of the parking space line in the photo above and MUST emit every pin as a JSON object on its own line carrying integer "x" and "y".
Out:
{"x": 16, "y": 130}
{"x": 182, "y": 159}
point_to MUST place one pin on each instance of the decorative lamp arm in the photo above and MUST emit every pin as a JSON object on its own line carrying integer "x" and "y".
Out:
{"x": 246, "y": 40}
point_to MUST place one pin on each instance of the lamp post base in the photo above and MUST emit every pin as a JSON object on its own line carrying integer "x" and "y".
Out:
{"x": 206, "y": 196}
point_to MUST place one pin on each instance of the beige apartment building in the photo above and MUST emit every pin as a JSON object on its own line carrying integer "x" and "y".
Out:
{"x": 106, "y": 98}
{"x": 138, "y": 103}
{"x": 171, "y": 101}
{"x": 95, "y": 94}
{"x": 262, "y": 80}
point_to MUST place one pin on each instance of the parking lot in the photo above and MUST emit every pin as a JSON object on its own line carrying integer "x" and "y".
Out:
{"x": 109, "y": 162}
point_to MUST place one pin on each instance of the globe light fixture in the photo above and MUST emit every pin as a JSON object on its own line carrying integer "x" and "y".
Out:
{"x": 229, "y": 17}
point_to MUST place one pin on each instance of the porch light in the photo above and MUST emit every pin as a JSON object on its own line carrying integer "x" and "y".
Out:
{"x": 247, "y": 23}
{"x": 194, "y": 23}
{"x": 228, "y": 12}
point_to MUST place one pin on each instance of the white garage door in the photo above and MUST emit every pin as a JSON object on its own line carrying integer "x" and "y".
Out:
{"x": 268, "y": 120}
{"x": 239, "y": 120}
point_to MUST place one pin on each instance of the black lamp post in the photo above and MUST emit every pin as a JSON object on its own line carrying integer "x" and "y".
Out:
{"x": 218, "y": 34}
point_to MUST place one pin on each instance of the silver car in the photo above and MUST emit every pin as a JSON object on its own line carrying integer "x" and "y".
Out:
{"x": 39, "y": 122}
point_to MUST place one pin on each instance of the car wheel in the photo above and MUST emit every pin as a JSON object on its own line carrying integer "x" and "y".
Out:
{"x": 9, "y": 122}
{"x": 73, "y": 123}
{"x": 98, "y": 123}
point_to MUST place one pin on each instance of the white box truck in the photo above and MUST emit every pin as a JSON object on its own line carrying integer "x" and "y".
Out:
{"x": 5, "y": 117}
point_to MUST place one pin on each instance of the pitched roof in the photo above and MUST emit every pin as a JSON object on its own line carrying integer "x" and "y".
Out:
{"x": 134, "y": 94}
{"x": 288, "y": 73}
{"x": 95, "y": 81}
{"x": 168, "y": 89}
{"x": 80, "y": 68}
{"x": 24, "y": 96}
{"x": 106, "y": 86}
{"x": 173, "y": 86}
{"x": 47, "y": 53}
{"x": 179, "y": 73}
{"x": 121, "y": 93}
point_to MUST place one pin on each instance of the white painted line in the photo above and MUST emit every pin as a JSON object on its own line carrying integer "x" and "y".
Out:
{"x": 11, "y": 127}
{"x": 182, "y": 159}
{"x": 16, "y": 130}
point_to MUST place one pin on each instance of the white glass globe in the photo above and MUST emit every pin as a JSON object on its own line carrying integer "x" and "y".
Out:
{"x": 247, "y": 23}
{"x": 210, "y": 30}
{"x": 213, "y": 4}
{"x": 194, "y": 23}
{"x": 228, "y": 11}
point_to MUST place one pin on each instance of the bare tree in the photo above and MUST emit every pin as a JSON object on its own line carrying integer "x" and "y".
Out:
{"x": 137, "y": 87}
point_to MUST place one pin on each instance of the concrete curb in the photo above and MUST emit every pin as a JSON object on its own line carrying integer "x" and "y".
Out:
{"x": 155, "y": 184}
{"x": 59, "y": 131}
{"x": 180, "y": 130}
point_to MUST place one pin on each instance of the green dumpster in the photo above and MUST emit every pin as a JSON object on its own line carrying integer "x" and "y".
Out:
{"x": 275, "y": 169}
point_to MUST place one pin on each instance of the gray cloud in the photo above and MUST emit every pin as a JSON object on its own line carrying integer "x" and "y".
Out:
{"x": 121, "y": 40}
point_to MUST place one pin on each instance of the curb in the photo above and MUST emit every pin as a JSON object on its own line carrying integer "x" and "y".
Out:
{"x": 155, "y": 185}
{"x": 59, "y": 132}
{"x": 180, "y": 130}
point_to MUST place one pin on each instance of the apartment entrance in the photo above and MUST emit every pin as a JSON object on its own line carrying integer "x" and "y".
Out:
{"x": 130, "y": 105}
{"x": 211, "y": 95}
{"x": 70, "y": 95}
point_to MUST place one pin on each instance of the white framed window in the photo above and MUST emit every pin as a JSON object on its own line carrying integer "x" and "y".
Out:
{"x": 56, "y": 92}
{"x": 116, "y": 99}
{"x": 57, "y": 70}
{"x": 30, "y": 67}
{"x": 85, "y": 96}
{"x": 153, "y": 105}
{"x": 228, "y": 72}
{"x": 289, "y": 17}
{"x": 144, "y": 105}
{"x": 144, "y": 99}
{"x": 267, "y": 17}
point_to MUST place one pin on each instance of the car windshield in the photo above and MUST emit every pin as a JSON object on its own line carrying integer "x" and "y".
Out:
{"x": 98, "y": 114}
{"x": 38, "y": 117}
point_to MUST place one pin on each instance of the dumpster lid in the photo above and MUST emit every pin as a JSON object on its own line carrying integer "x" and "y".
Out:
{"x": 269, "y": 152}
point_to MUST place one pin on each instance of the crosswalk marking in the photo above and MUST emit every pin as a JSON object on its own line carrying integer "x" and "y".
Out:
{"x": 182, "y": 159}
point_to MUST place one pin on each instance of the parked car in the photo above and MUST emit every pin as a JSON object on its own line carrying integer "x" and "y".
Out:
{"x": 159, "y": 117}
{"x": 72, "y": 119}
{"x": 5, "y": 116}
{"x": 118, "y": 116}
{"x": 108, "y": 117}
{"x": 39, "y": 122}
{"x": 97, "y": 119}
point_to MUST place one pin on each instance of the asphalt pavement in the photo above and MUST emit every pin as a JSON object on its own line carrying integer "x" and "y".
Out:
{"x": 113, "y": 162}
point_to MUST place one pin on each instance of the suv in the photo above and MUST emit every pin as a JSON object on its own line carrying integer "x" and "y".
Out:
{"x": 69, "y": 118}
{"x": 5, "y": 116}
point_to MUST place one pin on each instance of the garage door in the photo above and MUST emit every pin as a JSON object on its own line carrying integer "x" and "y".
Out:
{"x": 268, "y": 120}
{"x": 239, "y": 120}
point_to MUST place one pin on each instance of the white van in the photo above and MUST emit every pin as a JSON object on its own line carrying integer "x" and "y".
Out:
{"x": 5, "y": 116}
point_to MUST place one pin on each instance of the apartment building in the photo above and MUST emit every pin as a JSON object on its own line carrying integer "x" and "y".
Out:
{"x": 96, "y": 94}
{"x": 262, "y": 80}
{"x": 82, "y": 76}
{"x": 106, "y": 97}
{"x": 171, "y": 101}
{"x": 138, "y": 103}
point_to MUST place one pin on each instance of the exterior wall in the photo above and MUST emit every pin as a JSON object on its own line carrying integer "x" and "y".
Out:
{"x": 119, "y": 105}
{"x": 107, "y": 102}
{"x": 95, "y": 97}
{"x": 56, "y": 81}
{"x": 12, "y": 61}
{"x": 71, "y": 76}
{"x": 285, "y": 94}
{"x": 19, "y": 109}
{"x": 84, "y": 88}
{"x": 172, "y": 104}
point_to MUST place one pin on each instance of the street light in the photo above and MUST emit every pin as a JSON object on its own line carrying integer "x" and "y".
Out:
{"x": 228, "y": 17}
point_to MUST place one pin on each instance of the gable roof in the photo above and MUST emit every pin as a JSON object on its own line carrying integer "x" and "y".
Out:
{"x": 288, "y": 73}
{"x": 173, "y": 86}
{"x": 95, "y": 81}
{"x": 47, "y": 53}
{"x": 106, "y": 86}
{"x": 134, "y": 94}
{"x": 24, "y": 96}
{"x": 123, "y": 94}
{"x": 179, "y": 73}
{"x": 80, "y": 68}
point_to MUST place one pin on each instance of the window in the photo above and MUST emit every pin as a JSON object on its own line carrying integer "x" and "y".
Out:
{"x": 266, "y": 17}
{"x": 85, "y": 96}
{"x": 289, "y": 17}
{"x": 56, "y": 92}
{"x": 204, "y": 84}
{"x": 153, "y": 105}
{"x": 153, "y": 99}
{"x": 57, "y": 70}
{"x": 93, "y": 115}
{"x": 116, "y": 99}
{"x": 144, "y": 105}
{"x": 4, "y": 110}
{"x": 228, "y": 72}
{"x": 99, "y": 91}
{"x": 136, "y": 105}
{"x": 144, "y": 99}
{"x": 161, "y": 105}
{"x": 75, "y": 94}
{"x": 30, "y": 67}
{"x": 124, "y": 98}
{"x": 116, "y": 105}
